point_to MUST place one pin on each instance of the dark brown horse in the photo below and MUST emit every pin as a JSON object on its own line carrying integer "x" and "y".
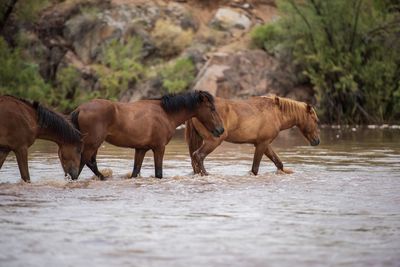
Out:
{"x": 21, "y": 122}
{"x": 256, "y": 121}
{"x": 142, "y": 125}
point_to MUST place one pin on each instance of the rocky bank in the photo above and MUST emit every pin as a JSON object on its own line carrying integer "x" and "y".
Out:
{"x": 215, "y": 35}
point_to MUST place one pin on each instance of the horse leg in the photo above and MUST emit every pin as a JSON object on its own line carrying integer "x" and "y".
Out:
{"x": 3, "y": 155}
{"x": 139, "y": 156}
{"x": 158, "y": 160}
{"x": 195, "y": 166}
{"x": 92, "y": 164}
{"x": 206, "y": 148}
{"x": 258, "y": 153}
{"x": 22, "y": 159}
{"x": 276, "y": 160}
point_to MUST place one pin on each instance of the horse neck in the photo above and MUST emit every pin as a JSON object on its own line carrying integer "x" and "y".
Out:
{"x": 290, "y": 118}
{"x": 47, "y": 134}
{"x": 181, "y": 116}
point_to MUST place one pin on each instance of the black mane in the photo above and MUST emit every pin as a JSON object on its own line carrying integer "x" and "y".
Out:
{"x": 57, "y": 123}
{"x": 53, "y": 121}
{"x": 189, "y": 100}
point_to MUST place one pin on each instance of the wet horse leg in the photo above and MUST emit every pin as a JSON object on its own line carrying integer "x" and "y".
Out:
{"x": 92, "y": 164}
{"x": 195, "y": 166}
{"x": 137, "y": 165}
{"x": 3, "y": 155}
{"x": 258, "y": 153}
{"x": 22, "y": 159}
{"x": 89, "y": 158}
{"x": 276, "y": 160}
{"x": 158, "y": 160}
{"x": 206, "y": 148}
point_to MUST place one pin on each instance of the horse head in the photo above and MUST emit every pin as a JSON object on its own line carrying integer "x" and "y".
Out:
{"x": 70, "y": 157}
{"x": 309, "y": 126}
{"x": 207, "y": 114}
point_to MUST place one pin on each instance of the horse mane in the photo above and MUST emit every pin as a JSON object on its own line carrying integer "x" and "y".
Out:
{"x": 189, "y": 100}
{"x": 289, "y": 106}
{"x": 74, "y": 119}
{"x": 53, "y": 121}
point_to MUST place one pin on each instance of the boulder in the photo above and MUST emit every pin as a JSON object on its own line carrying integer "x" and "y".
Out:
{"x": 87, "y": 34}
{"x": 248, "y": 73}
{"x": 230, "y": 19}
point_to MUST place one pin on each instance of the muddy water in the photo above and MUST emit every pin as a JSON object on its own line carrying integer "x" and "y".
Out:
{"x": 341, "y": 207}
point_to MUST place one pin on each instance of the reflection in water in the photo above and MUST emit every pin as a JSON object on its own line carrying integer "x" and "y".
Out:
{"x": 340, "y": 207}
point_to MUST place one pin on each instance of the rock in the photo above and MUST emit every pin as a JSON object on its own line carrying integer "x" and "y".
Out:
{"x": 151, "y": 88}
{"x": 87, "y": 34}
{"x": 229, "y": 19}
{"x": 181, "y": 16}
{"x": 248, "y": 73}
{"x": 197, "y": 53}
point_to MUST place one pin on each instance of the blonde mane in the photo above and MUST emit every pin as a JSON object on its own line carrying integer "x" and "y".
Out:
{"x": 290, "y": 107}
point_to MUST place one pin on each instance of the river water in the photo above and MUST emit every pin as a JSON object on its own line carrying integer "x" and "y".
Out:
{"x": 341, "y": 207}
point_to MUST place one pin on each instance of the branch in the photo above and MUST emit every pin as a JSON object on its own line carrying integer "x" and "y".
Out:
{"x": 296, "y": 8}
{"x": 355, "y": 25}
{"x": 325, "y": 26}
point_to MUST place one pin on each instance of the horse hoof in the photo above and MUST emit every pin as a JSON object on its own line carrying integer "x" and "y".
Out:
{"x": 284, "y": 171}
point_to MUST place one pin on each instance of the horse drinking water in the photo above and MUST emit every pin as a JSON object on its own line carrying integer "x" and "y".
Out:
{"x": 21, "y": 122}
{"x": 256, "y": 121}
{"x": 142, "y": 125}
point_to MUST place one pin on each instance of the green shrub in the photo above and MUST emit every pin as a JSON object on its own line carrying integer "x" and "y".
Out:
{"x": 21, "y": 78}
{"x": 69, "y": 92}
{"x": 348, "y": 50}
{"x": 178, "y": 76}
{"x": 266, "y": 36}
{"x": 121, "y": 66}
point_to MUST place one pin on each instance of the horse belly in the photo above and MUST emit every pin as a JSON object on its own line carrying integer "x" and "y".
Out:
{"x": 127, "y": 139}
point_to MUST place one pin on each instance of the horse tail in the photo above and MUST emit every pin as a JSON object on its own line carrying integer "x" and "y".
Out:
{"x": 74, "y": 118}
{"x": 193, "y": 139}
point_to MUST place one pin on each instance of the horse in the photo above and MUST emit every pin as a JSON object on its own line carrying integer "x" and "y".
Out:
{"x": 22, "y": 122}
{"x": 257, "y": 121}
{"x": 143, "y": 125}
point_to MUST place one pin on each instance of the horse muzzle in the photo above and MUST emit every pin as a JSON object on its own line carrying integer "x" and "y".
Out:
{"x": 73, "y": 173}
{"x": 315, "y": 142}
{"x": 218, "y": 131}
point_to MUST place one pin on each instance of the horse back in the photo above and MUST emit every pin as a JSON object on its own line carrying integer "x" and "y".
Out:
{"x": 247, "y": 121}
{"x": 18, "y": 125}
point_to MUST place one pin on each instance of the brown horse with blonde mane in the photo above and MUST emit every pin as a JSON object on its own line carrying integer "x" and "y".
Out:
{"x": 22, "y": 122}
{"x": 256, "y": 121}
{"x": 142, "y": 125}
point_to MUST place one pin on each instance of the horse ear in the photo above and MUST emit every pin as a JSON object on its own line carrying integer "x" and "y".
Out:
{"x": 309, "y": 108}
{"x": 276, "y": 100}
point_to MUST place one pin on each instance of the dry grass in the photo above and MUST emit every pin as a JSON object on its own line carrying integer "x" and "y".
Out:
{"x": 170, "y": 39}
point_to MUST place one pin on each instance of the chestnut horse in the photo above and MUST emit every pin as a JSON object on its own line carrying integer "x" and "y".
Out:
{"x": 22, "y": 122}
{"x": 142, "y": 125}
{"x": 256, "y": 121}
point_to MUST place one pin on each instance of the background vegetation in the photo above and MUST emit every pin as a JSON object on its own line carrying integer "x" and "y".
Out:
{"x": 348, "y": 50}
{"x": 120, "y": 67}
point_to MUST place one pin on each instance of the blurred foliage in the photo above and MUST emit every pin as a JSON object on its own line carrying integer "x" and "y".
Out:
{"x": 348, "y": 50}
{"x": 121, "y": 66}
{"x": 178, "y": 76}
{"x": 69, "y": 92}
{"x": 21, "y": 78}
{"x": 170, "y": 39}
{"x": 23, "y": 10}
